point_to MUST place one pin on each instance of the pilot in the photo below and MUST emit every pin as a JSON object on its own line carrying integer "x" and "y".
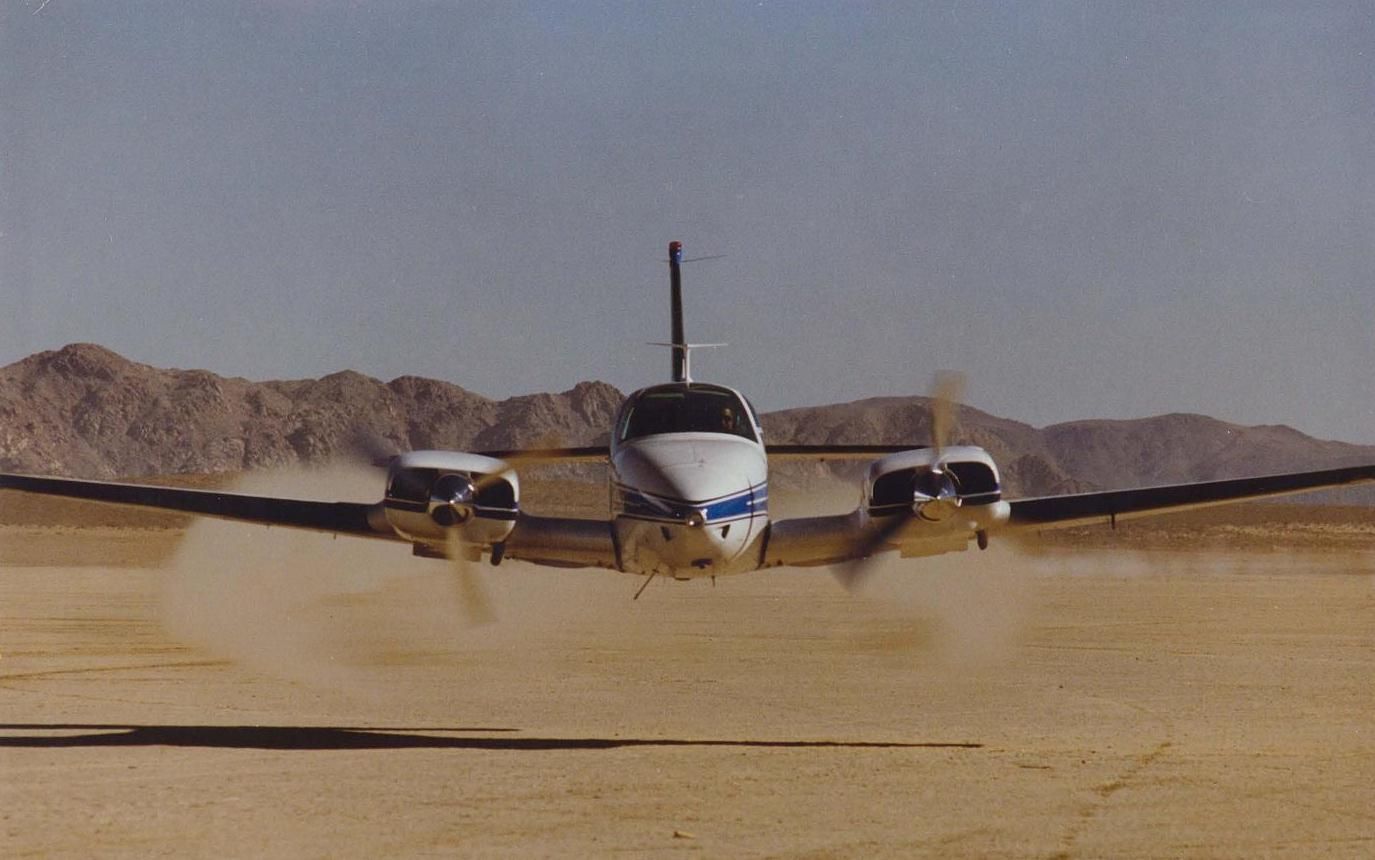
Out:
{"x": 728, "y": 420}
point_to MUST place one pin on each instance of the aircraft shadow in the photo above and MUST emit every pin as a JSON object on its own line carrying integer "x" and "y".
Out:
{"x": 367, "y": 738}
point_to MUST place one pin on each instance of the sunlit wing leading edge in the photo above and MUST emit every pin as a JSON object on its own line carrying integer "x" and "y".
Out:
{"x": 1111, "y": 505}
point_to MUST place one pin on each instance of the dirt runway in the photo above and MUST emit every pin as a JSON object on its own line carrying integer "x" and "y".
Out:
{"x": 243, "y": 692}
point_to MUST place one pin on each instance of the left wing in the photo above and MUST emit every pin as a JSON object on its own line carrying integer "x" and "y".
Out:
{"x": 808, "y": 541}
{"x": 1112, "y": 505}
{"x": 822, "y": 453}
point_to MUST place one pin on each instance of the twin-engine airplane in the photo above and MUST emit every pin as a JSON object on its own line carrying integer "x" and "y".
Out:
{"x": 689, "y": 494}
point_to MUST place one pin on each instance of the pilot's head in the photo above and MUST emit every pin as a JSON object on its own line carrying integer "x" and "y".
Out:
{"x": 728, "y": 419}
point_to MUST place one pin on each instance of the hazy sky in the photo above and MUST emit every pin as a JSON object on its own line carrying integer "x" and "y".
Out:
{"x": 1094, "y": 209}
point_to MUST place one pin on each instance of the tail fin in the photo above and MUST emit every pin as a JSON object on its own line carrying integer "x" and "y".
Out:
{"x": 677, "y": 339}
{"x": 682, "y": 350}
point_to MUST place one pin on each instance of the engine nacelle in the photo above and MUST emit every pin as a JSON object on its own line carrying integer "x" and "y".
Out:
{"x": 435, "y": 496}
{"x": 961, "y": 479}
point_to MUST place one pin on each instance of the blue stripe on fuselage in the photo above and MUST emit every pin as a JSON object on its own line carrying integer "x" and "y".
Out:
{"x": 631, "y": 502}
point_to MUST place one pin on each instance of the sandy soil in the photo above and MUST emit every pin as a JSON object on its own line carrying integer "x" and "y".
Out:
{"x": 237, "y": 691}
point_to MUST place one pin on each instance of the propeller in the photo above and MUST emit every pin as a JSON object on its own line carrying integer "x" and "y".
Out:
{"x": 473, "y": 599}
{"x": 457, "y": 496}
{"x": 939, "y": 487}
{"x": 942, "y": 488}
{"x": 946, "y": 393}
{"x": 513, "y": 461}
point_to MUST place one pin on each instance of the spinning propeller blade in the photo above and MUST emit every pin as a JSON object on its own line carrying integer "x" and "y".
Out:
{"x": 514, "y": 460}
{"x": 946, "y": 392}
{"x": 472, "y": 591}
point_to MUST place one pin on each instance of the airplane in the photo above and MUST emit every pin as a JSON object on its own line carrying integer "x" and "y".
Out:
{"x": 689, "y": 487}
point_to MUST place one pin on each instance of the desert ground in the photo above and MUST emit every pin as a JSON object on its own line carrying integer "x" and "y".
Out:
{"x": 1196, "y": 687}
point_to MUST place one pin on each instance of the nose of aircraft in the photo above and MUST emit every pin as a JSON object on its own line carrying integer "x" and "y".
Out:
{"x": 695, "y": 545}
{"x": 696, "y": 497}
{"x": 690, "y": 473}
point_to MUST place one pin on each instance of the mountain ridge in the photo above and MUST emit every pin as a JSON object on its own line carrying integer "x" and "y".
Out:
{"x": 86, "y": 411}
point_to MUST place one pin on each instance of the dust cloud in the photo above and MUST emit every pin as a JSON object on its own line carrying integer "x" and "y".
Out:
{"x": 333, "y": 611}
{"x": 358, "y": 615}
{"x": 961, "y": 609}
{"x": 971, "y": 607}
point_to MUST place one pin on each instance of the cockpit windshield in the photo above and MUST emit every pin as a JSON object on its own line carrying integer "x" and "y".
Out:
{"x": 684, "y": 409}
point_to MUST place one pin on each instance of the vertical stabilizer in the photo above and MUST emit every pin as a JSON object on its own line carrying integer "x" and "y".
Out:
{"x": 682, "y": 350}
{"x": 677, "y": 340}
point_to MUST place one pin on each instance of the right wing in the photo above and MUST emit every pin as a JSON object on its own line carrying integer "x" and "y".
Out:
{"x": 591, "y": 454}
{"x": 555, "y": 541}
{"x": 563, "y": 542}
{"x": 352, "y": 518}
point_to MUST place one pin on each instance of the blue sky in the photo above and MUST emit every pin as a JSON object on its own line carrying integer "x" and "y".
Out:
{"x": 1093, "y": 209}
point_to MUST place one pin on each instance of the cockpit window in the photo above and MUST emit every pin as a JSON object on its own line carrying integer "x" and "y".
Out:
{"x": 686, "y": 410}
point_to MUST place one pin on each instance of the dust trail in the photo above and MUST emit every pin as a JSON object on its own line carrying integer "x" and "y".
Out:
{"x": 973, "y": 606}
{"x": 278, "y": 600}
{"x": 358, "y": 615}
{"x": 962, "y": 609}
{"x": 977, "y": 606}
{"x": 331, "y": 612}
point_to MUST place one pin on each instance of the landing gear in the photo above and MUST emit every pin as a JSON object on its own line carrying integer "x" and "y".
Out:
{"x": 982, "y": 537}
{"x": 648, "y": 580}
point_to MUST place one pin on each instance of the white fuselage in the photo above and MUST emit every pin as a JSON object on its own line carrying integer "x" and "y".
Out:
{"x": 689, "y": 504}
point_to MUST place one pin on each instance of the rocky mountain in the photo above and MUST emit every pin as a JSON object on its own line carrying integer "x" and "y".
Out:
{"x": 1080, "y": 455}
{"x": 84, "y": 410}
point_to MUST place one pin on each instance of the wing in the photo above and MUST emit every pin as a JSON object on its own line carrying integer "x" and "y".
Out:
{"x": 822, "y": 453}
{"x": 812, "y": 541}
{"x": 351, "y": 518}
{"x": 1111, "y": 505}
{"x": 563, "y": 542}
{"x": 809, "y": 541}
{"x": 552, "y": 541}
{"x": 593, "y": 454}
